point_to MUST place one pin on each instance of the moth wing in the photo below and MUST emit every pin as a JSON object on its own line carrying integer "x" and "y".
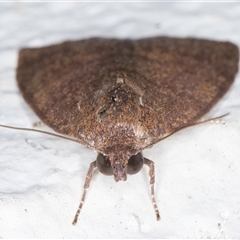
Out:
{"x": 53, "y": 79}
{"x": 181, "y": 79}
{"x": 185, "y": 78}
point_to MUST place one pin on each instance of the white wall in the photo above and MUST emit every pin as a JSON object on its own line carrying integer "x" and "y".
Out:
{"x": 41, "y": 177}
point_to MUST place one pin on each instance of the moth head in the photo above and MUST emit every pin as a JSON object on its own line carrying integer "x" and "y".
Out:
{"x": 119, "y": 167}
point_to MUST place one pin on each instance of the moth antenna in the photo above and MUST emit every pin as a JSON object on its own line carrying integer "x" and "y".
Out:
{"x": 88, "y": 179}
{"x": 150, "y": 164}
{"x": 200, "y": 122}
{"x": 39, "y": 131}
{"x": 92, "y": 166}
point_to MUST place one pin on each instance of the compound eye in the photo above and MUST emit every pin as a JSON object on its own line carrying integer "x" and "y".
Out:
{"x": 135, "y": 163}
{"x": 104, "y": 165}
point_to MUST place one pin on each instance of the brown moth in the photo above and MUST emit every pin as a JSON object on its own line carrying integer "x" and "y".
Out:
{"x": 122, "y": 96}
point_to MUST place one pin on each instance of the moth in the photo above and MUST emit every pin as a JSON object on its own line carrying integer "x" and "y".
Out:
{"x": 120, "y": 97}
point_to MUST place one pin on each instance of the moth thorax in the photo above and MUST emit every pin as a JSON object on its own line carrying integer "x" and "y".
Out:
{"x": 119, "y": 103}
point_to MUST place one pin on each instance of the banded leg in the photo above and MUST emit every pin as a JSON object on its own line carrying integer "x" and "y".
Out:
{"x": 88, "y": 179}
{"x": 150, "y": 164}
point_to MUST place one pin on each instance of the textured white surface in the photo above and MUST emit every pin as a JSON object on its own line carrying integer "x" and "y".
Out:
{"x": 41, "y": 177}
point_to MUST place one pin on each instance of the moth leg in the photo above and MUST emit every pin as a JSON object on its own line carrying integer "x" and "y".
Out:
{"x": 38, "y": 124}
{"x": 88, "y": 179}
{"x": 150, "y": 164}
